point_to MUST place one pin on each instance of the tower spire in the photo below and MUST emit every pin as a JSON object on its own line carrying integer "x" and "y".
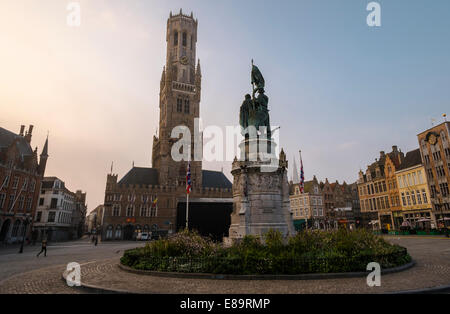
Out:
{"x": 199, "y": 70}
{"x": 43, "y": 158}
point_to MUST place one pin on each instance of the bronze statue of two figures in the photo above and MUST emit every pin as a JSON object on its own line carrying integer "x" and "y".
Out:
{"x": 254, "y": 115}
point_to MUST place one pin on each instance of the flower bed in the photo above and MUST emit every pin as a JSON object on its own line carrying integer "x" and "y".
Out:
{"x": 307, "y": 252}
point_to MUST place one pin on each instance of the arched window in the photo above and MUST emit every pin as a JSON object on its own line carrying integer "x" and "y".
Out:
{"x": 109, "y": 232}
{"x": 192, "y": 42}
{"x": 130, "y": 210}
{"x": 118, "y": 234}
{"x": 116, "y": 210}
{"x": 15, "y": 229}
{"x": 144, "y": 211}
{"x": 137, "y": 229}
{"x": 184, "y": 39}
{"x": 186, "y": 106}
{"x": 175, "y": 38}
{"x": 179, "y": 105}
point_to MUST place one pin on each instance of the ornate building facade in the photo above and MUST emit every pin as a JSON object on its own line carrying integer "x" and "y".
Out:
{"x": 20, "y": 181}
{"x": 377, "y": 191}
{"x": 413, "y": 191}
{"x": 307, "y": 207}
{"x": 154, "y": 199}
{"x": 434, "y": 146}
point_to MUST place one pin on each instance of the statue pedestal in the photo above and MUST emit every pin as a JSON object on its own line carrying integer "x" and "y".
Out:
{"x": 260, "y": 193}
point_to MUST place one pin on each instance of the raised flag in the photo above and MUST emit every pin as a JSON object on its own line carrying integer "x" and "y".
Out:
{"x": 302, "y": 176}
{"x": 188, "y": 179}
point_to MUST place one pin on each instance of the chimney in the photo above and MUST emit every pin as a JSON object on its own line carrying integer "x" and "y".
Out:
{"x": 29, "y": 133}
{"x": 382, "y": 154}
{"x": 394, "y": 148}
{"x": 22, "y": 128}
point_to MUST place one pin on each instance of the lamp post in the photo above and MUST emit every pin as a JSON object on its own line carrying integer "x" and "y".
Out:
{"x": 25, "y": 227}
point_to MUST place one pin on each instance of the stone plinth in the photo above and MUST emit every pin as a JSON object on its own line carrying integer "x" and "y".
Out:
{"x": 260, "y": 196}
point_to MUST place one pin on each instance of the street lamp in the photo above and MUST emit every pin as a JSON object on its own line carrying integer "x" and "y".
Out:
{"x": 25, "y": 223}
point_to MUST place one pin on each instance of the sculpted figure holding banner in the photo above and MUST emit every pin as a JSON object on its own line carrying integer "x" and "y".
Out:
{"x": 254, "y": 110}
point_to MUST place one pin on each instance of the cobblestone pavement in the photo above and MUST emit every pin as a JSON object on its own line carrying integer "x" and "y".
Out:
{"x": 432, "y": 270}
{"x": 25, "y": 273}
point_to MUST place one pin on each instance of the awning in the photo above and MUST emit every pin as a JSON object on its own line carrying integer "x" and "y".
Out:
{"x": 406, "y": 224}
{"x": 299, "y": 222}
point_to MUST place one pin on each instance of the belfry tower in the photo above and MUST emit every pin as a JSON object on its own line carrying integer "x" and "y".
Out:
{"x": 179, "y": 100}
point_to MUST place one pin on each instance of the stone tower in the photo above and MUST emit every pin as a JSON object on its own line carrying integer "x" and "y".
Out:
{"x": 179, "y": 100}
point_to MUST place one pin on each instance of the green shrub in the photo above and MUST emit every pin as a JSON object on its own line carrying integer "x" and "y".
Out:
{"x": 306, "y": 252}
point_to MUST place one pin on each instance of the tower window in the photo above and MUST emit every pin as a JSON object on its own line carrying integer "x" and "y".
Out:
{"x": 186, "y": 106}
{"x": 179, "y": 105}
{"x": 184, "y": 39}
{"x": 175, "y": 38}
{"x": 192, "y": 43}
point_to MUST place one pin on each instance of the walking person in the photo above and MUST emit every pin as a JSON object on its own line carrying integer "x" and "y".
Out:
{"x": 96, "y": 240}
{"x": 44, "y": 248}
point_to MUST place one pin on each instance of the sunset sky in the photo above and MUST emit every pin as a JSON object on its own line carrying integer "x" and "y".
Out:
{"x": 340, "y": 90}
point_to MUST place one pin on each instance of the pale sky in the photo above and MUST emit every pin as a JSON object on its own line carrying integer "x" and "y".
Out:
{"x": 340, "y": 90}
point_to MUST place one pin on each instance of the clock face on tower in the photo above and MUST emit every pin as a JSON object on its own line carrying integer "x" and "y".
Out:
{"x": 432, "y": 139}
{"x": 184, "y": 60}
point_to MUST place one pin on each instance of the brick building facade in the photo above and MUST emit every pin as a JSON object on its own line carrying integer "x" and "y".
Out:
{"x": 20, "y": 181}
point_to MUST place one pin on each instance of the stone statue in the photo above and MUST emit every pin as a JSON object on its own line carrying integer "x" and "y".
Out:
{"x": 254, "y": 110}
{"x": 245, "y": 109}
{"x": 257, "y": 78}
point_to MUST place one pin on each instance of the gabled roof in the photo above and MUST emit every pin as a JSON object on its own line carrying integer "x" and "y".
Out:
{"x": 215, "y": 179}
{"x": 149, "y": 176}
{"x": 412, "y": 158}
{"x": 141, "y": 176}
{"x": 8, "y": 137}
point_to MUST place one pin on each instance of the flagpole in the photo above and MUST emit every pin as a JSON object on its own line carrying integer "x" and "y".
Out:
{"x": 187, "y": 211}
{"x": 302, "y": 182}
{"x": 187, "y": 192}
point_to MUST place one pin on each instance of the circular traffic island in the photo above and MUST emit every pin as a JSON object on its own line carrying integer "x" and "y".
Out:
{"x": 307, "y": 255}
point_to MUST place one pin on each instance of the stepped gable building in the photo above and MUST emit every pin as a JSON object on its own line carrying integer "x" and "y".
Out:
{"x": 413, "y": 190}
{"x": 341, "y": 204}
{"x": 434, "y": 146}
{"x": 377, "y": 200}
{"x": 154, "y": 199}
{"x": 307, "y": 207}
{"x": 79, "y": 215}
{"x": 328, "y": 198}
{"x": 20, "y": 181}
{"x": 347, "y": 212}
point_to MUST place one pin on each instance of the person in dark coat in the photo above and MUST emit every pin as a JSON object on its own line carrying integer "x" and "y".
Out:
{"x": 43, "y": 248}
